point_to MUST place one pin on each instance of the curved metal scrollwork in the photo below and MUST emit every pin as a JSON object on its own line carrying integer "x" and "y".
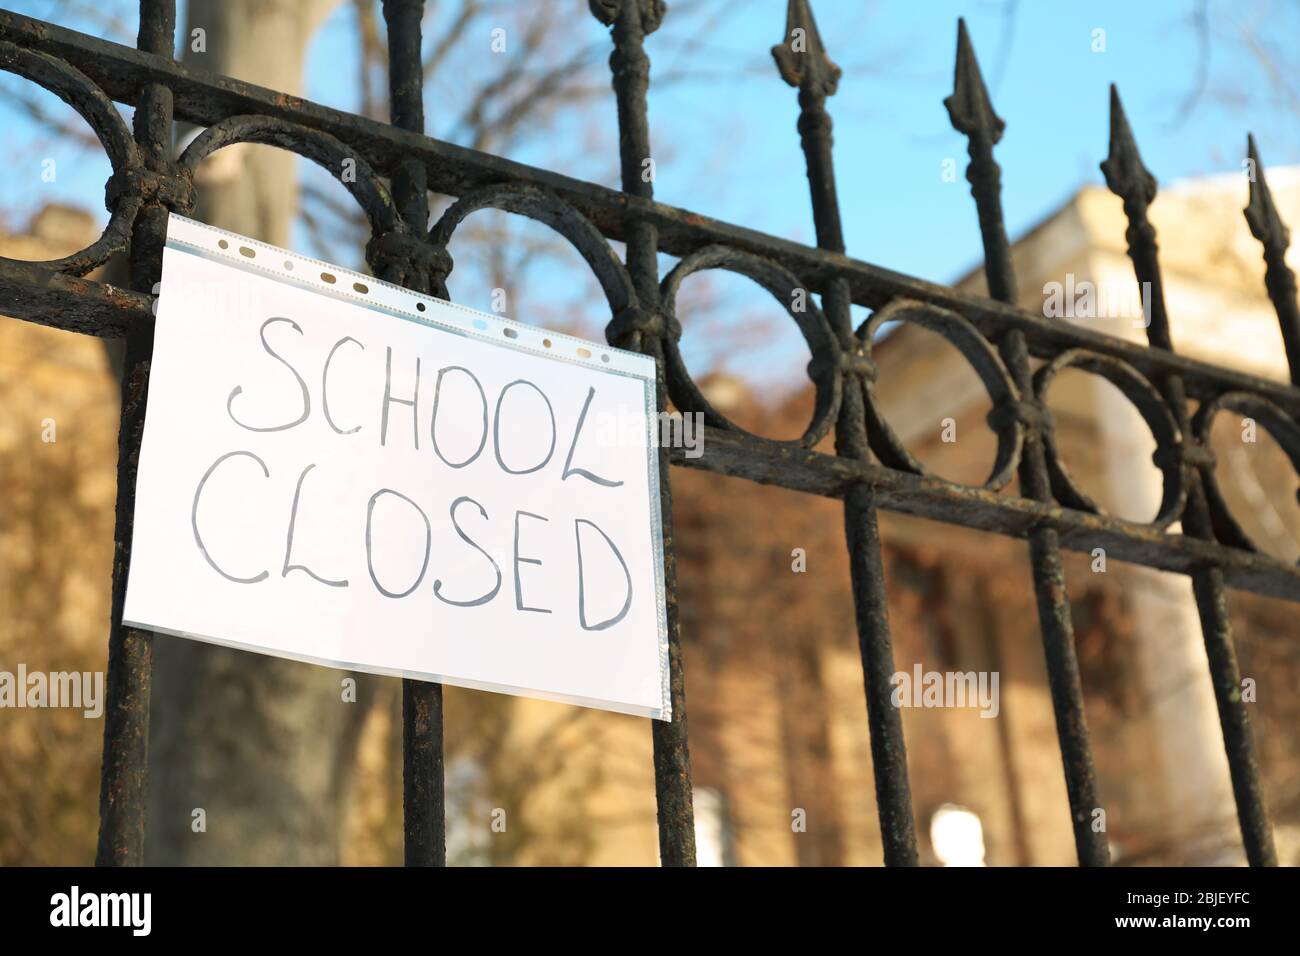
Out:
{"x": 550, "y": 210}
{"x": 78, "y": 91}
{"x": 1008, "y": 417}
{"x": 321, "y": 148}
{"x": 823, "y": 369}
{"x": 1283, "y": 428}
{"x": 1171, "y": 452}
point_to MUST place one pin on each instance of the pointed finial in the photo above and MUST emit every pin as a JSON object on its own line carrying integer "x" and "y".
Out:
{"x": 1125, "y": 174}
{"x": 1265, "y": 224}
{"x": 969, "y": 107}
{"x": 802, "y": 58}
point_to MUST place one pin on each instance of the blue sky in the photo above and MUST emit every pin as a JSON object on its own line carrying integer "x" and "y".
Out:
{"x": 724, "y": 129}
{"x": 892, "y": 131}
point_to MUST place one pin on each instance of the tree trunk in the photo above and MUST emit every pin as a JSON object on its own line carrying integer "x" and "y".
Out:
{"x": 264, "y": 747}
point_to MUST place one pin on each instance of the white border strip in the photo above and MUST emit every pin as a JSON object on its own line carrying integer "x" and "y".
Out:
{"x": 277, "y": 263}
{"x": 510, "y": 689}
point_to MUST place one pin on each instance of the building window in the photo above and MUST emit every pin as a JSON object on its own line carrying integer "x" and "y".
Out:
{"x": 957, "y": 836}
{"x": 713, "y": 838}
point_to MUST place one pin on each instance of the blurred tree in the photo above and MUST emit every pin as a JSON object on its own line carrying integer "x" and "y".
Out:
{"x": 264, "y": 746}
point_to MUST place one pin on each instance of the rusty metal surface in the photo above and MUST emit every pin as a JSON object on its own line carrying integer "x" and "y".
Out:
{"x": 124, "y": 777}
{"x": 817, "y": 473}
{"x": 808, "y": 68}
{"x": 972, "y": 114}
{"x": 641, "y": 327}
{"x": 1129, "y": 179}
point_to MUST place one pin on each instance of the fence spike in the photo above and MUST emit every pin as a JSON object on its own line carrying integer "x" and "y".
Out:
{"x": 1265, "y": 223}
{"x": 1267, "y": 226}
{"x": 1125, "y": 173}
{"x": 969, "y": 106}
{"x": 801, "y": 56}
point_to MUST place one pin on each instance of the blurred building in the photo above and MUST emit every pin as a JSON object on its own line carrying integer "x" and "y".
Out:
{"x": 58, "y": 480}
{"x": 778, "y": 732}
{"x": 962, "y": 601}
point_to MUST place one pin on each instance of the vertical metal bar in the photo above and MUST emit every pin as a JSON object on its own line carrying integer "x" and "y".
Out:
{"x": 124, "y": 776}
{"x": 1238, "y": 739}
{"x": 632, "y": 21}
{"x": 1129, "y": 179}
{"x": 804, "y": 64}
{"x": 972, "y": 114}
{"x": 1267, "y": 226}
{"x": 423, "y": 797}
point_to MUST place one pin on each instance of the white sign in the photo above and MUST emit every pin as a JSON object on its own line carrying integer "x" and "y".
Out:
{"x": 341, "y": 471}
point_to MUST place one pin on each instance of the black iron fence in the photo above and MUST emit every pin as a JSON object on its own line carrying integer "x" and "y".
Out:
{"x": 397, "y": 166}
